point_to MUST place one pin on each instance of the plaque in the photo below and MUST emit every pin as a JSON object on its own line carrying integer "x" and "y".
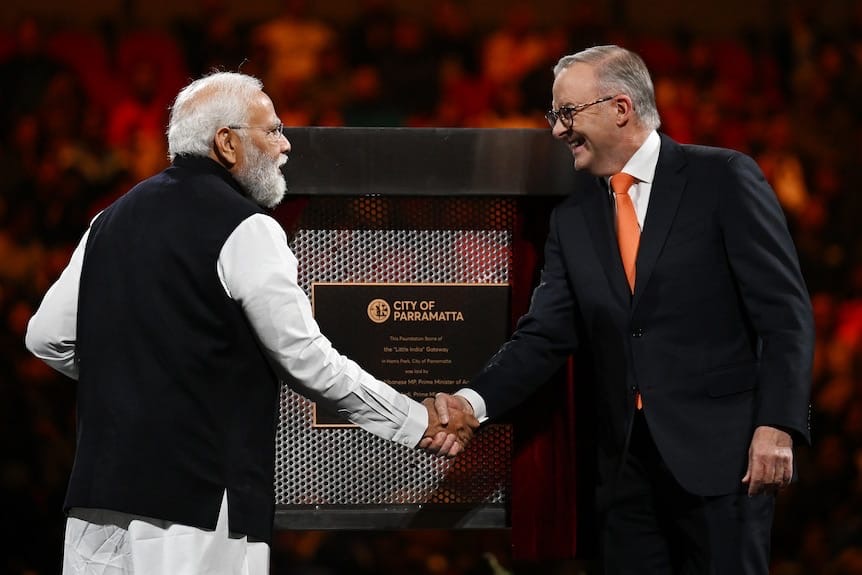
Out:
{"x": 419, "y": 338}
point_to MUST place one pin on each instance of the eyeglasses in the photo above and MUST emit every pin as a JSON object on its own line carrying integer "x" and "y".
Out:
{"x": 273, "y": 132}
{"x": 566, "y": 114}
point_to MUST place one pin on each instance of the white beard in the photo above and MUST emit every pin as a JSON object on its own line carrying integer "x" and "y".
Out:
{"x": 262, "y": 178}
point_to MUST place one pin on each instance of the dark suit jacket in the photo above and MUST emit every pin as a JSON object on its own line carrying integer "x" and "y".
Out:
{"x": 718, "y": 335}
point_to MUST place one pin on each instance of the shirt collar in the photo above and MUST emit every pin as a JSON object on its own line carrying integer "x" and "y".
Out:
{"x": 642, "y": 164}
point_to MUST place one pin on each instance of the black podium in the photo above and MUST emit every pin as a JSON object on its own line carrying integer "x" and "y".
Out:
{"x": 400, "y": 206}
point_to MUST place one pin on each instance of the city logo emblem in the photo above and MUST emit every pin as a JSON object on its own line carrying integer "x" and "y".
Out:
{"x": 378, "y": 310}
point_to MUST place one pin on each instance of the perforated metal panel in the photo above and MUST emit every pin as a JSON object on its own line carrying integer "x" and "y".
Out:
{"x": 393, "y": 240}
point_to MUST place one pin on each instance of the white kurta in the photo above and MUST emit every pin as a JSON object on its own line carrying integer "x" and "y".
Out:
{"x": 258, "y": 270}
{"x": 103, "y": 542}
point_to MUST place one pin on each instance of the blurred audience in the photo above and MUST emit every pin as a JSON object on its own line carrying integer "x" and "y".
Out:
{"x": 84, "y": 112}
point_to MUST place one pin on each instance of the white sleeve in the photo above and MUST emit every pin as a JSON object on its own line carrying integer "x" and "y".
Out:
{"x": 476, "y": 402}
{"x": 259, "y": 271}
{"x": 53, "y": 330}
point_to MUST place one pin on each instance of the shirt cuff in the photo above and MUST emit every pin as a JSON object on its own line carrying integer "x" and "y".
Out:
{"x": 475, "y": 400}
{"x": 413, "y": 429}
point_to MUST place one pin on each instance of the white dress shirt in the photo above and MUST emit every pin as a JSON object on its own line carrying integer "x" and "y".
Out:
{"x": 642, "y": 166}
{"x": 104, "y": 542}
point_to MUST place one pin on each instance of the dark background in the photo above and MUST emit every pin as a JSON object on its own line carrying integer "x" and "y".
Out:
{"x": 83, "y": 103}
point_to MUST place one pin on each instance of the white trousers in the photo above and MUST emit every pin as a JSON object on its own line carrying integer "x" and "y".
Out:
{"x": 102, "y": 542}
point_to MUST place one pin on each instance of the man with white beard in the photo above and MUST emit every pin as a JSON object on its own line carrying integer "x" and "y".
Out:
{"x": 179, "y": 313}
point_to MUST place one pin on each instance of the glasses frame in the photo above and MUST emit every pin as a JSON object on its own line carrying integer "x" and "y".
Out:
{"x": 272, "y": 132}
{"x": 566, "y": 114}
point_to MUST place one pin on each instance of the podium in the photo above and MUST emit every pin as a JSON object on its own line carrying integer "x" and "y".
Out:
{"x": 409, "y": 206}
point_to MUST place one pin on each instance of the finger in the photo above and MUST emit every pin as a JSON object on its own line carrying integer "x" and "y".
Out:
{"x": 759, "y": 478}
{"x": 436, "y": 442}
{"x": 750, "y": 482}
{"x": 767, "y": 476}
{"x": 433, "y": 417}
{"x": 442, "y": 407}
{"x": 778, "y": 467}
{"x": 777, "y": 470}
{"x": 753, "y": 489}
{"x": 424, "y": 443}
{"x": 447, "y": 445}
{"x": 755, "y": 478}
{"x": 787, "y": 470}
{"x": 757, "y": 485}
{"x": 782, "y": 478}
{"x": 456, "y": 449}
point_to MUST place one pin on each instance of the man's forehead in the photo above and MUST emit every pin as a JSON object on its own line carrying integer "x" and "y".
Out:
{"x": 261, "y": 109}
{"x": 576, "y": 82}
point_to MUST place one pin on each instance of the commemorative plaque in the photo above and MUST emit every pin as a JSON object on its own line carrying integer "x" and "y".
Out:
{"x": 419, "y": 338}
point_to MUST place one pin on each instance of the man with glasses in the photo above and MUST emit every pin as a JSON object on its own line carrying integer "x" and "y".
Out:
{"x": 178, "y": 314}
{"x": 672, "y": 272}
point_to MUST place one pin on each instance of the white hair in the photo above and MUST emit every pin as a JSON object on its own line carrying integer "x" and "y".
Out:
{"x": 621, "y": 71}
{"x": 207, "y": 104}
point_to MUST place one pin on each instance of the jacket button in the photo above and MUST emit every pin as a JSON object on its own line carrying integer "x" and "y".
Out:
{"x": 637, "y": 332}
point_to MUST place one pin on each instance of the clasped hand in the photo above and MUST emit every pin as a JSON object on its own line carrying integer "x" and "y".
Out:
{"x": 451, "y": 425}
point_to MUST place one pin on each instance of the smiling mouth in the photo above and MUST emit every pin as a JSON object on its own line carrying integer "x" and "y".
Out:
{"x": 577, "y": 142}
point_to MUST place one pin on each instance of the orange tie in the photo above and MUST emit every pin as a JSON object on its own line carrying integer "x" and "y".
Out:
{"x": 628, "y": 231}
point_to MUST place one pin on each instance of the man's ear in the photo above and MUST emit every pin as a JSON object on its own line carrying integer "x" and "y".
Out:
{"x": 625, "y": 109}
{"x": 225, "y": 147}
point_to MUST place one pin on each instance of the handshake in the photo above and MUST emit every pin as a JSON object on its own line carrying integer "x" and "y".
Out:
{"x": 451, "y": 424}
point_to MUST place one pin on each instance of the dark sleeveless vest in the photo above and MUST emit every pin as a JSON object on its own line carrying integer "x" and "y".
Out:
{"x": 176, "y": 401}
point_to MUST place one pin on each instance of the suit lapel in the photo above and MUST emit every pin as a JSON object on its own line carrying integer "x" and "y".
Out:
{"x": 598, "y": 213}
{"x": 665, "y": 195}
